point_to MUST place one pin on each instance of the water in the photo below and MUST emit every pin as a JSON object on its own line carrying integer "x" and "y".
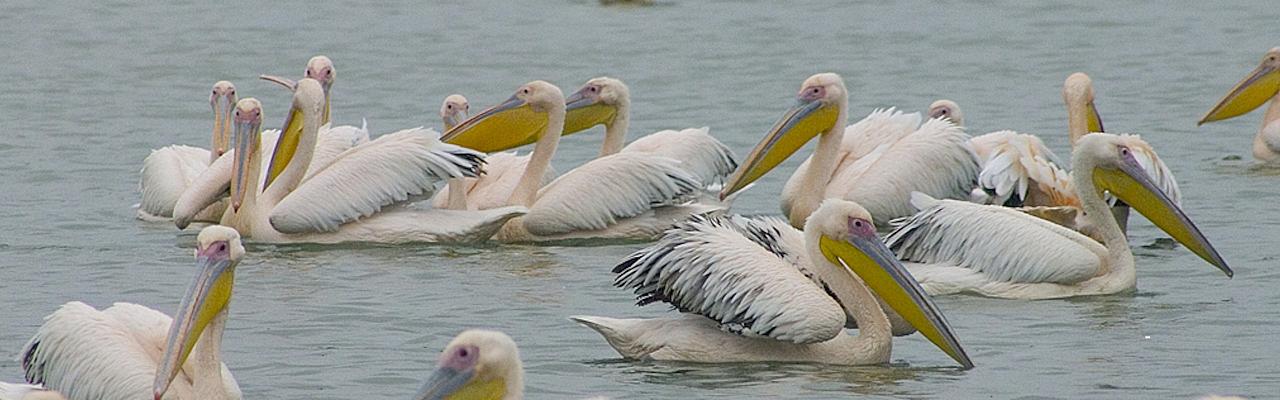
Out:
{"x": 88, "y": 89}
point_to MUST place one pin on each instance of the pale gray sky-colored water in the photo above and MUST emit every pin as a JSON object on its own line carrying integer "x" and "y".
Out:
{"x": 89, "y": 88}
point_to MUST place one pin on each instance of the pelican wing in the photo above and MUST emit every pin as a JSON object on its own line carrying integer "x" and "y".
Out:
{"x": 1018, "y": 169}
{"x": 1002, "y": 243}
{"x": 736, "y": 272}
{"x": 366, "y": 178}
{"x": 332, "y": 142}
{"x": 166, "y": 173}
{"x": 206, "y": 189}
{"x": 607, "y": 189}
{"x": 502, "y": 172}
{"x": 698, "y": 152}
{"x": 89, "y": 354}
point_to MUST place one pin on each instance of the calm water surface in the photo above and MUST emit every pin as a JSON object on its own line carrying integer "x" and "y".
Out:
{"x": 89, "y": 89}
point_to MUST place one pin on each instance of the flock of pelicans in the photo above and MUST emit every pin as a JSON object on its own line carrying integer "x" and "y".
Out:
{"x": 995, "y": 215}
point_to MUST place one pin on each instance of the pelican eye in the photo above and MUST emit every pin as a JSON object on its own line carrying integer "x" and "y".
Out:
{"x": 1124, "y": 151}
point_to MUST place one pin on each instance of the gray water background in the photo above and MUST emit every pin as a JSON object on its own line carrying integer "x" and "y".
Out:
{"x": 87, "y": 89}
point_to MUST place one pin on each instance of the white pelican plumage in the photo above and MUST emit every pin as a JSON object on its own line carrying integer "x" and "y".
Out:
{"x": 607, "y": 101}
{"x": 131, "y": 352}
{"x": 502, "y": 171}
{"x": 876, "y": 162}
{"x": 167, "y": 171}
{"x": 622, "y": 196}
{"x": 1015, "y": 169}
{"x": 20, "y": 391}
{"x": 344, "y": 201}
{"x": 961, "y": 247}
{"x": 477, "y": 364}
{"x": 1262, "y": 85}
{"x": 745, "y": 300}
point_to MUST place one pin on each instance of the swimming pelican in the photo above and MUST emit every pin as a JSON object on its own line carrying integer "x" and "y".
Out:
{"x": 954, "y": 246}
{"x": 502, "y": 171}
{"x": 477, "y": 364}
{"x": 622, "y": 196}
{"x": 876, "y": 162}
{"x": 333, "y": 140}
{"x": 607, "y": 101}
{"x": 167, "y": 171}
{"x": 1015, "y": 169}
{"x": 745, "y": 302}
{"x": 341, "y": 203}
{"x": 1261, "y": 85}
{"x": 124, "y": 352}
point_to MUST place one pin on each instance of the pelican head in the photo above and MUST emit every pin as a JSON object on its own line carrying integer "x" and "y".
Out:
{"x": 218, "y": 251}
{"x": 1261, "y": 85}
{"x": 319, "y": 68}
{"x": 477, "y": 364}
{"x": 248, "y": 132}
{"x": 819, "y": 105}
{"x": 846, "y": 236}
{"x": 222, "y": 100}
{"x": 518, "y": 121}
{"x": 310, "y": 105}
{"x": 1109, "y": 161}
{"x": 946, "y": 109}
{"x": 597, "y": 102}
{"x": 454, "y": 109}
{"x": 1082, "y": 115}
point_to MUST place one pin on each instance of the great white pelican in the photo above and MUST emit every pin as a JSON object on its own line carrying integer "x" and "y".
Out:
{"x": 502, "y": 170}
{"x": 621, "y": 196}
{"x": 477, "y": 364}
{"x": 1262, "y": 85}
{"x": 167, "y": 171}
{"x": 744, "y": 300}
{"x": 960, "y": 247}
{"x": 130, "y": 352}
{"x": 876, "y": 162}
{"x": 343, "y": 202}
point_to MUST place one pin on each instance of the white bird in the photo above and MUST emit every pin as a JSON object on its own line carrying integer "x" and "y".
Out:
{"x": 477, "y": 364}
{"x": 607, "y": 101}
{"x": 131, "y": 352}
{"x": 622, "y": 196}
{"x": 744, "y": 299}
{"x": 1015, "y": 169}
{"x": 19, "y": 391}
{"x": 502, "y": 171}
{"x": 344, "y": 201}
{"x": 1262, "y": 85}
{"x": 961, "y": 247}
{"x": 167, "y": 171}
{"x": 876, "y": 162}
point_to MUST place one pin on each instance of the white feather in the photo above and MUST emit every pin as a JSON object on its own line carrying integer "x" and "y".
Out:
{"x": 698, "y": 152}
{"x": 165, "y": 174}
{"x": 502, "y": 172}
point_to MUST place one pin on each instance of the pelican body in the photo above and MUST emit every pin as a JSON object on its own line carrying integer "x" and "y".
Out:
{"x": 168, "y": 171}
{"x": 344, "y": 201}
{"x": 961, "y": 247}
{"x": 1262, "y": 85}
{"x": 624, "y": 196}
{"x": 744, "y": 302}
{"x": 130, "y": 352}
{"x": 877, "y": 162}
{"x": 502, "y": 171}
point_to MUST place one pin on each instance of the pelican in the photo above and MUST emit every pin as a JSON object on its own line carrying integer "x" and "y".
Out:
{"x": 341, "y": 202}
{"x": 1261, "y": 85}
{"x": 876, "y": 162}
{"x": 17, "y": 391}
{"x": 123, "y": 352}
{"x": 502, "y": 171}
{"x": 167, "y": 171}
{"x": 333, "y": 140}
{"x": 1015, "y": 169}
{"x": 745, "y": 302}
{"x": 607, "y": 101}
{"x": 622, "y": 196}
{"x": 477, "y": 364}
{"x": 960, "y": 247}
